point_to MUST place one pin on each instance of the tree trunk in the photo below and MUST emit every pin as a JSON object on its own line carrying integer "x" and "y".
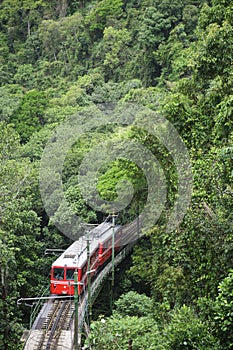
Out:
{"x": 29, "y": 28}
{"x": 62, "y": 8}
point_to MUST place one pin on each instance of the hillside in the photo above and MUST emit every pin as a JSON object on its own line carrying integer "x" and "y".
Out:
{"x": 171, "y": 62}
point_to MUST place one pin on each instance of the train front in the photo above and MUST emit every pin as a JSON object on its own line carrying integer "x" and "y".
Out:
{"x": 62, "y": 280}
{"x": 63, "y": 269}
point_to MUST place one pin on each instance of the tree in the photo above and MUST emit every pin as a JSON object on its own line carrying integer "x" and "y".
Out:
{"x": 23, "y": 15}
{"x": 116, "y": 43}
{"x": 187, "y": 331}
{"x": 10, "y": 96}
{"x": 66, "y": 41}
{"x": 118, "y": 330}
{"x": 19, "y": 227}
{"x": 133, "y": 304}
{"x": 29, "y": 116}
{"x": 102, "y": 14}
{"x": 223, "y": 312}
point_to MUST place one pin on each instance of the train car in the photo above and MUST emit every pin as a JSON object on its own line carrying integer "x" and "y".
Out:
{"x": 75, "y": 257}
{"x": 105, "y": 244}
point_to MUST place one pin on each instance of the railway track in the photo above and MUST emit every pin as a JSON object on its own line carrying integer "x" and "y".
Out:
{"x": 58, "y": 320}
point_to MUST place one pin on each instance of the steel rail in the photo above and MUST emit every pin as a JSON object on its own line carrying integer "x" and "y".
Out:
{"x": 55, "y": 326}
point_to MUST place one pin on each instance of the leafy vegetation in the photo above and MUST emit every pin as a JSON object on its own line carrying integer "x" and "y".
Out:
{"x": 63, "y": 57}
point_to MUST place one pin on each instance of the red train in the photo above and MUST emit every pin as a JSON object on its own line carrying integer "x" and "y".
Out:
{"x": 75, "y": 257}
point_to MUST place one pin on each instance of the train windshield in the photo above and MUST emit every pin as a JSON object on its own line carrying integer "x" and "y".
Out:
{"x": 58, "y": 273}
{"x": 70, "y": 274}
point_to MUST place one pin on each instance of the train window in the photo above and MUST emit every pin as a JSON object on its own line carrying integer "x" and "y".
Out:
{"x": 58, "y": 273}
{"x": 70, "y": 274}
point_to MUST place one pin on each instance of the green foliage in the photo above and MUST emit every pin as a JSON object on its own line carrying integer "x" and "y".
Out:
{"x": 19, "y": 231}
{"x": 4, "y": 49}
{"x": 134, "y": 304}
{"x": 9, "y": 141}
{"x": 153, "y": 28}
{"x": 65, "y": 40}
{"x": 10, "y": 96}
{"x": 29, "y": 116}
{"x": 118, "y": 330}
{"x": 173, "y": 56}
{"x": 77, "y": 205}
{"x": 25, "y": 76}
{"x": 186, "y": 331}
{"x": 116, "y": 50}
{"x": 17, "y": 18}
{"x": 170, "y": 285}
{"x": 190, "y": 18}
{"x": 141, "y": 270}
{"x": 216, "y": 50}
{"x": 33, "y": 149}
{"x": 223, "y": 312}
{"x": 121, "y": 170}
{"x": 102, "y": 14}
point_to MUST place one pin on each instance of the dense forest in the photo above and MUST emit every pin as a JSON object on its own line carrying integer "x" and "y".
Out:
{"x": 61, "y": 58}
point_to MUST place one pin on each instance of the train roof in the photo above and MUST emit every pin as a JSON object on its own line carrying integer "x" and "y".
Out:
{"x": 76, "y": 254}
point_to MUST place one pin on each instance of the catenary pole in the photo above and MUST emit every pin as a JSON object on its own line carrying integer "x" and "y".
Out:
{"x": 89, "y": 277}
{"x": 76, "y": 301}
{"x": 113, "y": 262}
